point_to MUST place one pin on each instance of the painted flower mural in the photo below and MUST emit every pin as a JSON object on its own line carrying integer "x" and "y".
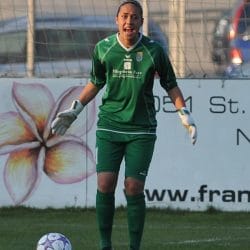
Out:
{"x": 26, "y": 137}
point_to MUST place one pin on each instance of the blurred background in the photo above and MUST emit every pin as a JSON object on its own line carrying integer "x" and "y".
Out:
{"x": 55, "y": 38}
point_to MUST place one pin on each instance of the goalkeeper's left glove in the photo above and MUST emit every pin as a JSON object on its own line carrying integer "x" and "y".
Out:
{"x": 188, "y": 123}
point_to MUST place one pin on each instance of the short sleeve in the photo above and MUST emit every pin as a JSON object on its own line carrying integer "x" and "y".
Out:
{"x": 98, "y": 71}
{"x": 165, "y": 71}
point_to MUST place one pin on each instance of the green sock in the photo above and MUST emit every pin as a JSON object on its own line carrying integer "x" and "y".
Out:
{"x": 136, "y": 209}
{"x": 105, "y": 208}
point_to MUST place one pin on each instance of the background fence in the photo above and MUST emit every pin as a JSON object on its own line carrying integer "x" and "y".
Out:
{"x": 188, "y": 25}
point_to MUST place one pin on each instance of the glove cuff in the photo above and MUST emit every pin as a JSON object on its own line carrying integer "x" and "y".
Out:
{"x": 183, "y": 111}
{"x": 77, "y": 107}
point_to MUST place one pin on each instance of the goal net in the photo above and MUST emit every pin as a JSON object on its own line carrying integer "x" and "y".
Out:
{"x": 62, "y": 41}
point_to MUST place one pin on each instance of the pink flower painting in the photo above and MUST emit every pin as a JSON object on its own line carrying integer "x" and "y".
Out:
{"x": 25, "y": 136}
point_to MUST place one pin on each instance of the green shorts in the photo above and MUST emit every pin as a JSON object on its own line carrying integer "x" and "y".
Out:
{"x": 135, "y": 149}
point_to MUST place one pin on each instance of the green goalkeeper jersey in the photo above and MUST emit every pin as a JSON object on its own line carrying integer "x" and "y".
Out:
{"x": 128, "y": 74}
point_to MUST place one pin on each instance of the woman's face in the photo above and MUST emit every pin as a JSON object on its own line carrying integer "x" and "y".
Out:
{"x": 129, "y": 22}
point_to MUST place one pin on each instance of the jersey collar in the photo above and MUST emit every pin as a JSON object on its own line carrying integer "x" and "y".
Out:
{"x": 130, "y": 48}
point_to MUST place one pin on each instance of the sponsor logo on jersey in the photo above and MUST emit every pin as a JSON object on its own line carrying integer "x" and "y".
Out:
{"x": 128, "y": 70}
{"x": 127, "y": 62}
{"x": 127, "y": 65}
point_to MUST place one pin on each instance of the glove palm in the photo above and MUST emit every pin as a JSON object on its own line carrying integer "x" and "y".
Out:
{"x": 65, "y": 118}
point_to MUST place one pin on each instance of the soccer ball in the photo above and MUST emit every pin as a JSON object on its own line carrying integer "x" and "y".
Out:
{"x": 54, "y": 241}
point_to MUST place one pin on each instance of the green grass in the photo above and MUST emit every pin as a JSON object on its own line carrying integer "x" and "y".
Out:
{"x": 20, "y": 228}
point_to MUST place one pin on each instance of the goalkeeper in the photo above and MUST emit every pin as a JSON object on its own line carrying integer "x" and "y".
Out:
{"x": 126, "y": 64}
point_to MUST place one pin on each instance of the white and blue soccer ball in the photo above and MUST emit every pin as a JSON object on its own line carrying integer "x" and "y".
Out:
{"x": 54, "y": 241}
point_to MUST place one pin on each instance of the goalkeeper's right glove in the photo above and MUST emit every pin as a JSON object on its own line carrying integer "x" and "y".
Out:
{"x": 65, "y": 118}
{"x": 188, "y": 122}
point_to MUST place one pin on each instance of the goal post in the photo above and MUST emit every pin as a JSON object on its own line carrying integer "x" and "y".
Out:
{"x": 31, "y": 38}
{"x": 176, "y": 30}
{"x": 146, "y": 16}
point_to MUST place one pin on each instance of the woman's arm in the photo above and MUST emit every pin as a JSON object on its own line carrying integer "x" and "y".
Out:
{"x": 176, "y": 97}
{"x": 88, "y": 93}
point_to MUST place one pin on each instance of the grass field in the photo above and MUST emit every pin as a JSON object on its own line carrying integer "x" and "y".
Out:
{"x": 20, "y": 228}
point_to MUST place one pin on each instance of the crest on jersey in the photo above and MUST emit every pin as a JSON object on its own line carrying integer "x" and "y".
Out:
{"x": 139, "y": 56}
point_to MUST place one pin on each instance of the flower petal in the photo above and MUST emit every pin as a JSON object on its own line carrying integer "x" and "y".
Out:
{"x": 69, "y": 162}
{"x": 21, "y": 174}
{"x": 34, "y": 102}
{"x": 13, "y": 130}
{"x": 61, "y": 139}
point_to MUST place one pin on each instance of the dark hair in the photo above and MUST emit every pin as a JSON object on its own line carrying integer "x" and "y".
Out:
{"x": 137, "y": 4}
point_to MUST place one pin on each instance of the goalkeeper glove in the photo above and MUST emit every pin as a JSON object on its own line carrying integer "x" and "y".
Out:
{"x": 188, "y": 122}
{"x": 65, "y": 118}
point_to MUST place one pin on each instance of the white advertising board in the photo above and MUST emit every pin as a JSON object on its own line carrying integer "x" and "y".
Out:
{"x": 214, "y": 172}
